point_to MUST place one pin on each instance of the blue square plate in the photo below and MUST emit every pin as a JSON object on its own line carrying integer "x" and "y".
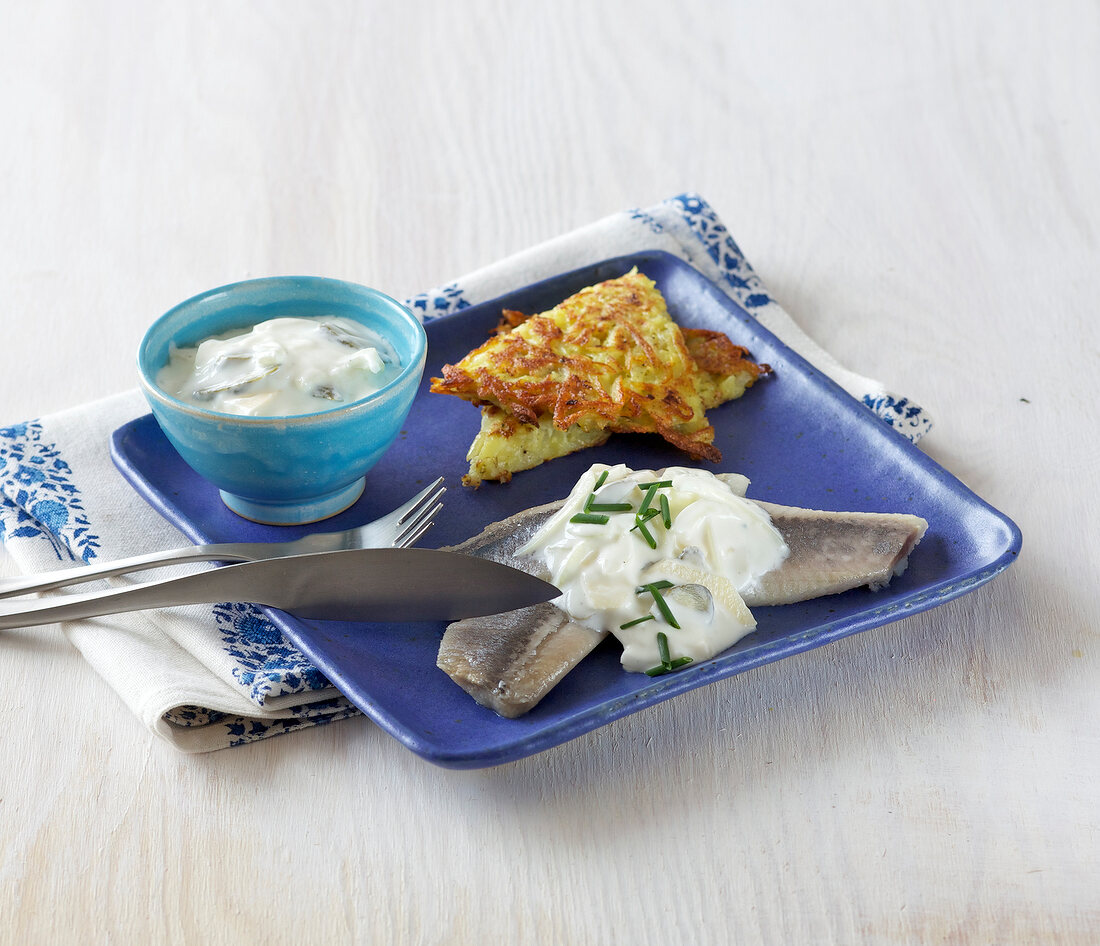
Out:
{"x": 802, "y": 441}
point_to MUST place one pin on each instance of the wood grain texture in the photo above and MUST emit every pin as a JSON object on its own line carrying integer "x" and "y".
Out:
{"x": 915, "y": 182}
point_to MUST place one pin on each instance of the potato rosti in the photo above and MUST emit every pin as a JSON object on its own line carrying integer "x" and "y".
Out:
{"x": 608, "y": 359}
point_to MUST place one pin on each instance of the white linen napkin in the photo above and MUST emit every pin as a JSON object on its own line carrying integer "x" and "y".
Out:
{"x": 210, "y": 677}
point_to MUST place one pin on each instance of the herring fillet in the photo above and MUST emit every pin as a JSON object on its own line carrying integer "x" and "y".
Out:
{"x": 831, "y": 552}
{"x": 509, "y": 662}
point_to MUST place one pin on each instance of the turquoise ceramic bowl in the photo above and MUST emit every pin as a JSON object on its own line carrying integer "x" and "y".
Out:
{"x": 291, "y": 469}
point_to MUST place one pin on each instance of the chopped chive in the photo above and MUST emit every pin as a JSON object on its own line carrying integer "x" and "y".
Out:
{"x": 650, "y": 493}
{"x": 587, "y": 518}
{"x": 640, "y": 520}
{"x": 666, "y": 665}
{"x": 662, "y": 648}
{"x": 668, "y": 668}
{"x": 655, "y": 588}
{"x": 590, "y": 504}
{"x": 646, "y": 534}
{"x": 646, "y": 500}
{"x": 666, "y": 512}
{"x": 641, "y": 620}
{"x": 662, "y": 606}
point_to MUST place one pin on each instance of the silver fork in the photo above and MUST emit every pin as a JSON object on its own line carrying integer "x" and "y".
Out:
{"x": 399, "y": 529}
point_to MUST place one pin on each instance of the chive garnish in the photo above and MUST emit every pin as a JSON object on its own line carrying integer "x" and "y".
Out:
{"x": 666, "y": 611}
{"x": 588, "y": 518}
{"x": 662, "y": 648}
{"x": 646, "y": 512}
{"x": 667, "y": 664}
{"x": 641, "y": 526}
{"x": 590, "y": 504}
{"x": 641, "y": 620}
{"x": 647, "y": 499}
{"x": 669, "y": 667}
{"x": 640, "y": 520}
{"x": 655, "y": 588}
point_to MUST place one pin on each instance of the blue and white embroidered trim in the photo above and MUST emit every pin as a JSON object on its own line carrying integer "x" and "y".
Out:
{"x": 266, "y": 664}
{"x": 40, "y": 498}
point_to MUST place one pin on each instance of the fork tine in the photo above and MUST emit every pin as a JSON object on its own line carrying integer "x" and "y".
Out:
{"x": 425, "y": 497}
{"x": 413, "y": 530}
{"x": 411, "y": 538}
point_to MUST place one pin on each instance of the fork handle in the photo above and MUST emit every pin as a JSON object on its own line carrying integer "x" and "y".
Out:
{"x": 226, "y": 552}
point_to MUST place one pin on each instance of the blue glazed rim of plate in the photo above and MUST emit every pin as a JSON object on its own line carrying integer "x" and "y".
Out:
{"x": 800, "y": 438}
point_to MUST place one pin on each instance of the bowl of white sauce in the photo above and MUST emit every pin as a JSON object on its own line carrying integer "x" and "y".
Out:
{"x": 284, "y": 392}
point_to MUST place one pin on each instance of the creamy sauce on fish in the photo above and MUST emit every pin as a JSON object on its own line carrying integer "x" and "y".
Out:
{"x": 283, "y": 366}
{"x": 691, "y": 560}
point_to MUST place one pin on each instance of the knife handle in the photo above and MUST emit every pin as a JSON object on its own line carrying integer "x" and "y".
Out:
{"x": 202, "y": 588}
{"x": 48, "y": 581}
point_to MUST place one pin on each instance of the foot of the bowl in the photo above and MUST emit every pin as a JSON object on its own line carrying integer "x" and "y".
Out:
{"x": 295, "y": 513}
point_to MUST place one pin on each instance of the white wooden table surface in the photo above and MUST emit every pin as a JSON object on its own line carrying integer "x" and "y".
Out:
{"x": 915, "y": 182}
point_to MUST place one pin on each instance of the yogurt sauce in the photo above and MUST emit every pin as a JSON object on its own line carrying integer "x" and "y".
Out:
{"x": 716, "y": 545}
{"x": 282, "y": 366}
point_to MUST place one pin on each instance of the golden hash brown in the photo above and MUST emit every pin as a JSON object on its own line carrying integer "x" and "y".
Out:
{"x": 725, "y": 371}
{"x": 505, "y": 445}
{"x": 607, "y": 359}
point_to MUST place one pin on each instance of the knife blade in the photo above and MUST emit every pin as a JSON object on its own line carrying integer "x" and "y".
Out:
{"x": 364, "y": 585}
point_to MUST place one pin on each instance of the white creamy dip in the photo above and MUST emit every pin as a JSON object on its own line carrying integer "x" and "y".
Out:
{"x": 716, "y": 544}
{"x": 281, "y": 366}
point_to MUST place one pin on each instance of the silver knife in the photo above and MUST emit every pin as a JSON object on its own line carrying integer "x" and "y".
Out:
{"x": 363, "y": 585}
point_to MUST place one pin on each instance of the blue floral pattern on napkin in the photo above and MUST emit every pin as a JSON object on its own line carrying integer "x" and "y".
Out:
{"x": 429, "y": 306}
{"x": 907, "y": 418}
{"x": 266, "y": 664}
{"x": 720, "y": 247}
{"x": 40, "y": 499}
{"x": 240, "y": 730}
